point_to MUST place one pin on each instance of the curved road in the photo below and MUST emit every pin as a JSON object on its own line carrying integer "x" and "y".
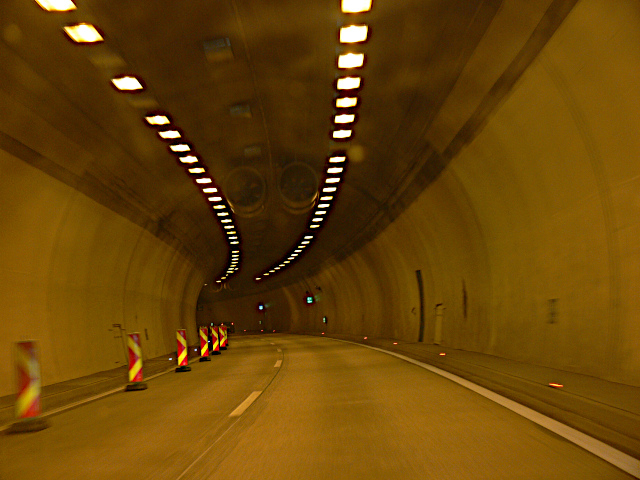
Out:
{"x": 328, "y": 410}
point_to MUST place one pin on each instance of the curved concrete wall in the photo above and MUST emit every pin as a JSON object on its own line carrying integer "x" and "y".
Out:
{"x": 530, "y": 239}
{"x": 71, "y": 269}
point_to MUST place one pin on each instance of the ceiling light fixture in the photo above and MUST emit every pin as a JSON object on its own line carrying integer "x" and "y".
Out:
{"x": 324, "y": 205}
{"x": 56, "y": 5}
{"x": 197, "y": 170}
{"x": 348, "y": 83}
{"x": 210, "y": 190}
{"x": 356, "y": 6}
{"x": 226, "y": 220}
{"x": 156, "y": 120}
{"x": 215, "y": 199}
{"x": 127, "y": 83}
{"x": 344, "y": 118}
{"x": 341, "y": 134}
{"x": 329, "y": 189}
{"x": 315, "y": 225}
{"x": 353, "y": 33}
{"x": 346, "y": 102}
{"x": 335, "y": 170}
{"x": 337, "y": 159}
{"x": 332, "y": 180}
{"x": 83, "y": 33}
{"x": 189, "y": 159}
{"x": 203, "y": 180}
{"x": 351, "y": 60}
{"x": 169, "y": 134}
{"x": 180, "y": 147}
{"x": 308, "y": 237}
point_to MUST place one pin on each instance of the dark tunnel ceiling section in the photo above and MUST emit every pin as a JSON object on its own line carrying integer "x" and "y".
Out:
{"x": 280, "y": 80}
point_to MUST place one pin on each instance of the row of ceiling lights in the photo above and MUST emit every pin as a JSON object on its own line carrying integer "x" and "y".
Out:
{"x": 85, "y": 33}
{"x": 346, "y": 103}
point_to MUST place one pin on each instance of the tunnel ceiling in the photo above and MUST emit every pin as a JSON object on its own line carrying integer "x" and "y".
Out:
{"x": 251, "y": 84}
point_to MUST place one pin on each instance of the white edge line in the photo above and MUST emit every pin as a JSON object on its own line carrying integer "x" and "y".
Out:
{"x": 620, "y": 459}
{"x": 278, "y": 363}
{"x": 87, "y": 400}
{"x": 246, "y": 404}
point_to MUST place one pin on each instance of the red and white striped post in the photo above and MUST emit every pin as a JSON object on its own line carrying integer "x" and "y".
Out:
{"x": 28, "y": 396}
{"x": 135, "y": 363}
{"x": 183, "y": 357}
{"x": 215, "y": 340}
{"x": 204, "y": 345}
{"x": 224, "y": 337}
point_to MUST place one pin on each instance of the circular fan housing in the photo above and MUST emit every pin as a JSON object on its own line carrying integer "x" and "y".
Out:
{"x": 298, "y": 187}
{"x": 246, "y": 191}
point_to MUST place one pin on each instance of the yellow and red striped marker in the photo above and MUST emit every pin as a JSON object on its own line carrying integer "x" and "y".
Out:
{"x": 204, "y": 345}
{"x": 135, "y": 363}
{"x": 28, "y": 396}
{"x": 183, "y": 357}
{"x": 224, "y": 338}
{"x": 215, "y": 340}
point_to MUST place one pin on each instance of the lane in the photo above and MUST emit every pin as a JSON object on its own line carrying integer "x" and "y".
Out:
{"x": 155, "y": 433}
{"x": 340, "y": 411}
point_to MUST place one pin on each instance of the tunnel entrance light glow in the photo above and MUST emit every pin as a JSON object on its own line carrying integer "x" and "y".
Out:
{"x": 157, "y": 120}
{"x": 348, "y": 83}
{"x": 346, "y": 102}
{"x": 344, "y": 118}
{"x": 83, "y": 33}
{"x": 56, "y": 5}
{"x": 127, "y": 83}
{"x": 356, "y": 6}
{"x": 353, "y": 33}
{"x": 189, "y": 159}
{"x": 351, "y": 60}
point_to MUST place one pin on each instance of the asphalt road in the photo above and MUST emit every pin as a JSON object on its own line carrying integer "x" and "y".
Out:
{"x": 295, "y": 407}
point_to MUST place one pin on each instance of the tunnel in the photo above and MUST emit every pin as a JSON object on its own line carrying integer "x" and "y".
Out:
{"x": 418, "y": 220}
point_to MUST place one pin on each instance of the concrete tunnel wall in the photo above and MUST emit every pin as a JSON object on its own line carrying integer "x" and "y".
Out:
{"x": 535, "y": 225}
{"x": 71, "y": 268}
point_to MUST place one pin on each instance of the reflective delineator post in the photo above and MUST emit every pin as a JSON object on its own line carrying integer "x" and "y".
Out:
{"x": 135, "y": 363}
{"x": 224, "y": 337}
{"x": 183, "y": 357}
{"x": 215, "y": 340}
{"x": 28, "y": 396}
{"x": 204, "y": 345}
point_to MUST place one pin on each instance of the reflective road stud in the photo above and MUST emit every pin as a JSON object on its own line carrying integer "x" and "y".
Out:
{"x": 183, "y": 358}
{"x": 204, "y": 345}
{"x": 224, "y": 338}
{"x": 28, "y": 397}
{"x": 215, "y": 340}
{"x": 135, "y": 363}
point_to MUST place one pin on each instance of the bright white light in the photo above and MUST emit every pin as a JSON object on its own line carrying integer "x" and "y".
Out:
{"x": 287, "y": 261}
{"x": 222, "y": 214}
{"x": 342, "y": 133}
{"x": 258, "y": 279}
{"x": 346, "y": 102}
{"x": 306, "y": 242}
{"x": 317, "y": 219}
{"x": 203, "y": 180}
{"x": 219, "y": 207}
{"x": 324, "y": 205}
{"x": 56, "y": 5}
{"x": 233, "y": 238}
{"x": 228, "y": 226}
{"x": 337, "y": 159}
{"x": 188, "y": 159}
{"x": 210, "y": 190}
{"x": 356, "y": 6}
{"x": 293, "y": 255}
{"x": 83, "y": 33}
{"x": 350, "y": 60}
{"x": 332, "y": 180}
{"x": 327, "y": 198}
{"x": 169, "y": 134}
{"x": 196, "y": 170}
{"x": 344, "y": 118}
{"x": 180, "y": 147}
{"x": 233, "y": 233}
{"x": 235, "y": 251}
{"x": 315, "y": 225}
{"x": 353, "y": 33}
{"x": 329, "y": 189}
{"x": 158, "y": 120}
{"x": 215, "y": 199}
{"x": 321, "y": 212}
{"x": 335, "y": 170}
{"x": 127, "y": 83}
{"x": 235, "y": 243}
{"x": 308, "y": 237}
{"x": 348, "y": 83}
{"x": 226, "y": 220}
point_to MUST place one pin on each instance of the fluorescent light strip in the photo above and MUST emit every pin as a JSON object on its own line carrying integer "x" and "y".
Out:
{"x": 83, "y": 33}
{"x": 56, "y": 5}
{"x": 356, "y": 6}
{"x": 127, "y": 83}
{"x": 353, "y": 33}
{"x": 157, "y": 120}
{"x": 348, "y": 83}
{"x": 350, "y": 60}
